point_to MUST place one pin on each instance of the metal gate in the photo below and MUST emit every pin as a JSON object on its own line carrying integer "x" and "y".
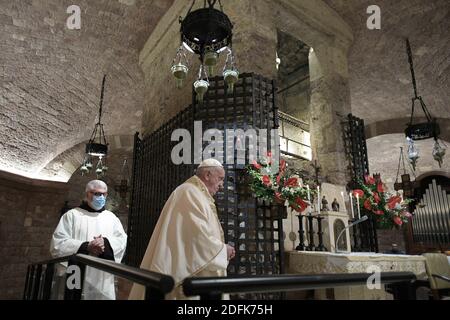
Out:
{"x": 254, "y": 228}
{"x": 364, "y": 234}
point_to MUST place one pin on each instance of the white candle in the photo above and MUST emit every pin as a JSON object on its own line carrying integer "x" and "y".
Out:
{"x": 309, "y": 198}
{"x": 343, "y": 201}
{"x": 351, "y": 205}
{"x": 318, "y": 199}
{"x": 357, "y": 204}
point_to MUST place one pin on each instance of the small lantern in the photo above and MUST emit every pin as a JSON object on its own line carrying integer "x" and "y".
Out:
{"x": 438, "y": 153}
{"x": 413, "y": 153}
{"x": 201, "y": 86}
{"x": 180, "y": 67}
{"x": 230, "y": 77}
{"x": 123, "y": 188}
{"x": 210, "y": 61}
{"x": 230, "y": 72}
{"x": 84, "y": 169}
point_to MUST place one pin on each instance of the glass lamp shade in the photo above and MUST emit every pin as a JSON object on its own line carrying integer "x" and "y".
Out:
{"x": 179, "y": 71}
{"x": 210, "y": 61}
{"x": 438, "y": 153}
{"x": 201, "y": 87}
{"x": 230, "y": 77}
{"x": 84, "y": 169}
{"x": 89, "y": 165}
{"x": 413, "y": 156}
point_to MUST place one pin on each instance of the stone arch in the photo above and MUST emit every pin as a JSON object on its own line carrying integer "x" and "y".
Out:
{"x": 433, "y": 173}
{"x": 398, "y": 125}
{"x": 64, "y": 165}
{"x": 338, "y": 226}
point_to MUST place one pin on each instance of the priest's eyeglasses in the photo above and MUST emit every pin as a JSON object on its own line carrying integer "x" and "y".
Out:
{"x": 98, "y": 194}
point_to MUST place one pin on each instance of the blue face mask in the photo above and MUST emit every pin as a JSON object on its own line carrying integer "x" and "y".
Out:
{"x": 98, "y": 202}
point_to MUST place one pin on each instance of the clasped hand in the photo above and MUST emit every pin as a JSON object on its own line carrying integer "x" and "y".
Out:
{"x": 97, "y": 246}
{"x": 231, "y": 252}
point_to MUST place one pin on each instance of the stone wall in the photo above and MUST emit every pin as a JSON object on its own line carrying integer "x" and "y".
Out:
{"x": 384, "y": 152}
{"x": 29, "y": 213}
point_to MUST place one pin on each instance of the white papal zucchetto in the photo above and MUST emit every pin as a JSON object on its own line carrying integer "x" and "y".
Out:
{"x": 210, "y": 163}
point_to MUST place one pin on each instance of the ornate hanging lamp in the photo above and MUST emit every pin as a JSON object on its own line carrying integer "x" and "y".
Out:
{"x": 406, "y": 184}
{"x": 97, "y": 147}
{"x": 123, "y": 187}
{"x": 423, "y": 130}
{"x": 205, "y": 32}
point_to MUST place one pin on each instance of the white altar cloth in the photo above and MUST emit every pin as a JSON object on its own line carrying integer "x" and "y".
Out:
{"x": 304, "y": 262}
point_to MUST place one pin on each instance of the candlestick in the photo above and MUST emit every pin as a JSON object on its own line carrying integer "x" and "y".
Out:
{"x": 309, "y": 198}
{"x": 357, "y": 204}
{"x": 351, "y": 205}
{"x": 343, "y": 201}
{"x": 318, "y": 200}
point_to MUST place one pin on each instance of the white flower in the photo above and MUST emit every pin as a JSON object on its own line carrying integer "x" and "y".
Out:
{"x": 264, "y": 161}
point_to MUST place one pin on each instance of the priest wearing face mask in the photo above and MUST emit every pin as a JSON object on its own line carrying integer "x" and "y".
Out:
{"x": 188, "y": 239}
{"x": 91, "y": 229}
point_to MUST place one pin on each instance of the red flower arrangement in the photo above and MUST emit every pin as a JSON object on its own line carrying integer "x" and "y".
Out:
{"x": 389, "y": 210}
{"x": 277, "y": 185}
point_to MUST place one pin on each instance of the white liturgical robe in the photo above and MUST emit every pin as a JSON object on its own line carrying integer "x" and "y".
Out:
{"x": 187, "y": 241}
{"x": 78, "y": 226}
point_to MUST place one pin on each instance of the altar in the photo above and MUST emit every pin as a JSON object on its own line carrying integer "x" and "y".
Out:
{"x": 304, "y": 262}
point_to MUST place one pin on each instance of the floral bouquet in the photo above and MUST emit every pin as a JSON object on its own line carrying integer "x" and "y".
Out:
{"x": 388, "y": 209}
{"x": 277, "y": 185}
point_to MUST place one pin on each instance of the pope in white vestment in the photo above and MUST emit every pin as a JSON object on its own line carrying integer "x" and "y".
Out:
{"x": 90, "y": 229}
{"x": 188, "y": 239}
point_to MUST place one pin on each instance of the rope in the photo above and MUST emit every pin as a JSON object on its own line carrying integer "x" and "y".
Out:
{"x": 398, "y": 168}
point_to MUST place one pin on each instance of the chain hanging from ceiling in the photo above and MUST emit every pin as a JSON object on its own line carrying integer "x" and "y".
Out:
{"x": 422, "y": 130}
{"x": 97, "y": 147}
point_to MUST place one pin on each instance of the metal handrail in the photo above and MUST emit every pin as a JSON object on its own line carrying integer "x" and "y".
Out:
{"x": 214, "y": 287}
{"x": 147, "y": 278}
{"x": 156, "y": 283}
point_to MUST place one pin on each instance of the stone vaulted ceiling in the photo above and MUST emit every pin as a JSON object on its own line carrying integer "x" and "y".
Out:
{"x": 380, "y": 79}
{"x": 51, "y": 76}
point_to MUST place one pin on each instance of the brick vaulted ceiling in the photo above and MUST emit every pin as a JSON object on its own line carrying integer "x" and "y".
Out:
{"x": 380, "y": 79}
{"x": 51, "y": 76}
